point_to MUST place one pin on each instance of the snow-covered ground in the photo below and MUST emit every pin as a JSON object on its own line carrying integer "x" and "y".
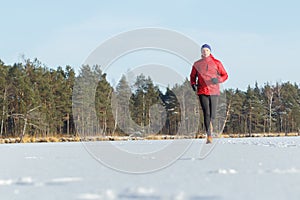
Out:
{"x": 248, "y": 168}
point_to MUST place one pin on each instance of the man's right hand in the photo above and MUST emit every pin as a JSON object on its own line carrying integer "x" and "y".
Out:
{"x": 194, "y": 87}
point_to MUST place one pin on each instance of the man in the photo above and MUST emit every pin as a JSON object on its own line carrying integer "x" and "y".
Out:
{"x": 206, "y": 76}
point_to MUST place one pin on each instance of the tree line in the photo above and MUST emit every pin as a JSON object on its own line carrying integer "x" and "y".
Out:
{"x": 38, "y": 101}
{"x": 267, "y": 109}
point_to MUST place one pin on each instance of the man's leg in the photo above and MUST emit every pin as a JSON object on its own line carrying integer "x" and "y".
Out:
{"x": 204, "y": 101}
{"x": 214, "y": 100}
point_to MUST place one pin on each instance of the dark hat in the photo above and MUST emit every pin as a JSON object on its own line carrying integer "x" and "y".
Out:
{"x": 206, "y": 46}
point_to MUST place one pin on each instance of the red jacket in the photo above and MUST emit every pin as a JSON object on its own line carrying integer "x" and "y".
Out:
{"x": 204, "y": 70}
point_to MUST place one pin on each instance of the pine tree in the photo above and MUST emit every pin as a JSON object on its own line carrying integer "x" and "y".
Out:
{"x": 68, "y": 123}
{"x": 84, "y": 91}
{"x": 103, "y": 105}
{"x": 154, "y": 112}
{"x": 237, "y": 109}
{"x": 290, "y": 94}
{"x": 4, "y": 86}
{"x": 258, "y": 110}
{"x": 172, "y": 107}
{"x": 122, "y": 106}
{"x": 143, "y": 112}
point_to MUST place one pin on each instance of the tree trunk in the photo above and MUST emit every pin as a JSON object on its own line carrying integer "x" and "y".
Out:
{"x": 24, "y": 129}
{"x": 250, "y": 119}
{"x": 3, "y": 112}
{"x": 68, "y": 124}
{"x": 227, "y": 115}
{"x": 270, "y": 96}
{"x": 105, "y": 122}
{"x": 116, "y": 121}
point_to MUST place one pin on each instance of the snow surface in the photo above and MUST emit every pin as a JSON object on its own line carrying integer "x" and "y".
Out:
{"x": 245, "y": 168}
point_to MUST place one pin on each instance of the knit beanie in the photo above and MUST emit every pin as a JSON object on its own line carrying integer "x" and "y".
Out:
{"x": 206, "y": 46}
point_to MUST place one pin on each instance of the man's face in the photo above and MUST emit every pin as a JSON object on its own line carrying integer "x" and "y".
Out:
{"x": 205, "y": 52}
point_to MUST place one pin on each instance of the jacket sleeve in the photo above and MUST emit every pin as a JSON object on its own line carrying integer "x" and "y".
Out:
{"x": 223, "y": 76}
{"x": 193, "y": 76}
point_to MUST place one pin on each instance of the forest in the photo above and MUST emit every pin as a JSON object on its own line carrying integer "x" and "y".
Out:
{"x": 39, "y": 101}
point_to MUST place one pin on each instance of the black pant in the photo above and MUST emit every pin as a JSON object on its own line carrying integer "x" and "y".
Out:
{"x": 209, "y": 104}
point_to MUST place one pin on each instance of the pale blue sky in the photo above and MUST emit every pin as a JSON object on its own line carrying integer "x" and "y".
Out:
{"x": 256, "y": 40}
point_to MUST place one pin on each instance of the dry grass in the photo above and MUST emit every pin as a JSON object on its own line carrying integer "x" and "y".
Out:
{"x": 29, "y": 139}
